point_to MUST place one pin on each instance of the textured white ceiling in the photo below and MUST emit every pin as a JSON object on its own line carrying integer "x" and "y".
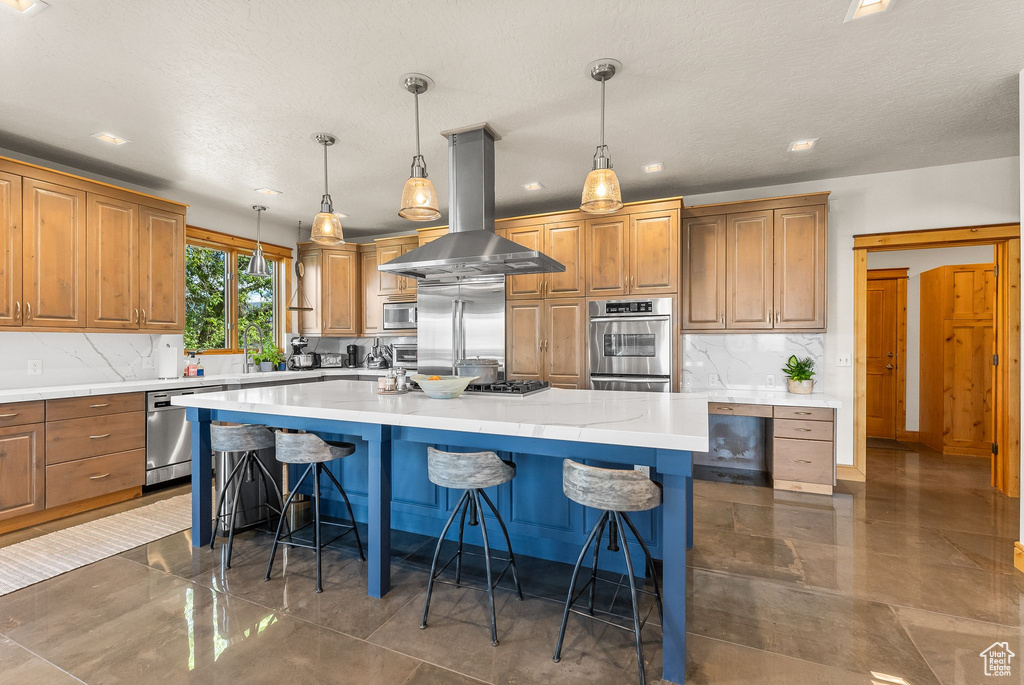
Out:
{"x": 222, "y": 97}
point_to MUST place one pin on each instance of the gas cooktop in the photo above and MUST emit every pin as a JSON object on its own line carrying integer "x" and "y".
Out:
{"x": 519, "y": 388}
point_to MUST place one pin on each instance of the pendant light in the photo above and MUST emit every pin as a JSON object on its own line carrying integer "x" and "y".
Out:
{"x": 601, "y": 193}
{"x": 299, "y": 296}
{"x": 258, "y": 263}
{"x": 419, "y": 199}
{"x": 326, "y": 224}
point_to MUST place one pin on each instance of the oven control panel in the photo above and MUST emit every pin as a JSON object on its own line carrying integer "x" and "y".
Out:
{"x": 635, "y": 307}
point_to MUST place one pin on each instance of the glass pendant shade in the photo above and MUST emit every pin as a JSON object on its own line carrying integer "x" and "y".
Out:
{"x": 601, "y": 193}
{"x": 327, "y": 229}
{"x": 419, "y": 200}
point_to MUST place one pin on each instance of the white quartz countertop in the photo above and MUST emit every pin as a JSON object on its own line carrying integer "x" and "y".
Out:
{"x": 59, "y": 391}
{"x": 675, "y": 421}
{"x": 779, "y": 398}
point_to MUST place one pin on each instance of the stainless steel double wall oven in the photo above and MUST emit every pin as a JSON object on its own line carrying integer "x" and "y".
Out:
{"x": 631, "y": 344}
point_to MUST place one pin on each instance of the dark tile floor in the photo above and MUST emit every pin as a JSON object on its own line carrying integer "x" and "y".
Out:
{"x": 903, "y": 579}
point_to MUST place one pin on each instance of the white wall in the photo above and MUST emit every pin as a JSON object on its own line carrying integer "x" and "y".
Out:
{"x": 985, "y": 192}
{"x": 918, "y": 261}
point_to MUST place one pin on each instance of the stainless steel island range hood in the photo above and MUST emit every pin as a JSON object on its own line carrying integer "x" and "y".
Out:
{"x": 471, "y": 247}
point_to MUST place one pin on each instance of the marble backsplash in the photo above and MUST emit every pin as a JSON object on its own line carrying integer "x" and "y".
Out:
{"x": 79, "y": 358}
{"x": 742, "y": 362}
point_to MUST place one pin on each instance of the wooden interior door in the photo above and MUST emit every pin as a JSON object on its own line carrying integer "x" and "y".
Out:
{"x": 882, "y": 317}
{"x": 968, "y": 399}
{"x": 53, "y": 249}
{"x": 564, "y": 346}
{"x": 704, "y": 273}
{"x": 112, "y": 261}
{"x": 564, "y": 242}
{"x": 607, "y": 257}
{"x": 22, "y": 465}
{"x": 654, "y": 253}
{"x": 161, "y": 270}
{"x": 373, "y": 313}
{"x": 749, "y": 271}
{"x": 526, "y": 286}
{"x": 971, "y": 291}
{"x": 800, "y": 264}
{"x": 10, "y": 250}
{"x": 341, "y": 306}
{"x": 524, "y": 331}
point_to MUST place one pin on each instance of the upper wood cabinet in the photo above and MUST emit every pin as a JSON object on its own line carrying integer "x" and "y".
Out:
{"x": 756, "y": 266}
{"x": 526, "y": 286}
{"x": 561, "y": 237}
{"x": 10, "y": 250}
{"x": 161, "y": 270}
{"x": 309, "y": 292}
{"x": 112, "y": 282}
{"x": 373, "y": 312}
{"x": 54, "y": 254}
{"x": 22, "y": 469}
{"x": 426, "y": 235}
{"x": 397, "y": 287}
{"x": 634, "y": 254}
{"x": 704, "y": 273}
{"x": 607, "y": 263}
{"x": 341, "y": 291}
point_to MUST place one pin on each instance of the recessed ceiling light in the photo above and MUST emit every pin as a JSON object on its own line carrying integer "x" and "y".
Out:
{"x": 106, "y": 136}
{"x": 267, "y": 191}
{"x": 653, "y": 168}
{"x": 801, "y": 145}
{"x": 865, "y": 8}
{"x": 26, "y": 7}
{"x": 535, "y": 185}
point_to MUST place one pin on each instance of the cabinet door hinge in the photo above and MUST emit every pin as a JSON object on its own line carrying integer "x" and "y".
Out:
{"x": 995, "y": 449}
{"x": 996, "y": 271}
{"x": 995, "y": 360}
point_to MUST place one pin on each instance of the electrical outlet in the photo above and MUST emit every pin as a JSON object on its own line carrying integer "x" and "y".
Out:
{"x": 35, "y": 367}
{"x": 714, "y": 380}
{"x": 646, "y": 470}
{"x": 843, "y": 360}
{"x": 769, "y": 380}
{"x": 147, "y": 362}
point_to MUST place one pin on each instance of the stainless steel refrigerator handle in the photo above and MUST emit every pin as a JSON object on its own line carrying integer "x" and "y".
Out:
{"x": 455, "y": 334}
{"x": 462, "y": 331}
{"x": 632, "y": 379}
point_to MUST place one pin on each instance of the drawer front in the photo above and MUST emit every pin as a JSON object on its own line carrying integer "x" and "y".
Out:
{"x": 730, "y": 408}
{"x": 803, "y": 461}
{"x": 79, "y": 480}
{"x": 803, "y": 430}
{"x": 21, "y": 413}
{"x": 73, "y": 439}
{"x": 804, "y": 413}
{"x": 95, "y": 405}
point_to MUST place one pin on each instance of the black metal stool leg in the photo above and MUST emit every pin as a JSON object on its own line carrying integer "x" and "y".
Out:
{"x": 572, "y": 588}
{"x": 650, "y": 563}
{"x": 593, "y": 569}
{"x": 317, "y": 468}
{"x": 508, "y": 543}
{"x": 458, "y": 554}
{"x": 287, "y": 503}
{"x": 270, "y": 486}
{"x": 487, "y": 566}
{"x": 235, "y": 500}
{"x": 220, "y": 502}
{"x": 632, "y": 593}
{"x": 437, "y": 553}
{"x": 351, "y": 515}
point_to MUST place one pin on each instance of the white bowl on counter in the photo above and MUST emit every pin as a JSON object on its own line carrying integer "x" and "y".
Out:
{"x": 447, "y": 388}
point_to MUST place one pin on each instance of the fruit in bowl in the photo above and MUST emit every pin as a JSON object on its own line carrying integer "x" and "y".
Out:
{"x": 442, "y": 387}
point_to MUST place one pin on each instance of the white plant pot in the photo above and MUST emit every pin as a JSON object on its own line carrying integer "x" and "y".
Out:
{"x": 801, "y": 387}
{"x": 266, "y": 366}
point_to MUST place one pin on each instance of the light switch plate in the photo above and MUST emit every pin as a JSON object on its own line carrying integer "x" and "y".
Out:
{"x": 646, "y": 470}
{"x": 35, "y": 367}
{"x": 843, "y": 360}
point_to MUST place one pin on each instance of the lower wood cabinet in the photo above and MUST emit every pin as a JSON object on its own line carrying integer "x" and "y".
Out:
{"x": 22, "y": 462}
{"x": 546, "y": 340}
{"x": 83, "y": 479}
{"x": 73, "y": 439}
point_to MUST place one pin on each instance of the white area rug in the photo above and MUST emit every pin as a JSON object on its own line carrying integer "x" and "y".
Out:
{"x": 38, "y": 559}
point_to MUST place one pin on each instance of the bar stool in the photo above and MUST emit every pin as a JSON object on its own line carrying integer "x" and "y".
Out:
{"x": 614, "y": 491}
{"x": 248, "y": 440}
{"x": 307, "y": 448}
{"x": 472, "y": 472}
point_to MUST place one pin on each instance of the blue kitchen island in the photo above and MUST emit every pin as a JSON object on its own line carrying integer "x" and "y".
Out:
{"x": 386, "y": 478}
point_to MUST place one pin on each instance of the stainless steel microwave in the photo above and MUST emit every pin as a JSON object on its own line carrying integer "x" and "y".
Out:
{"x": 399, "y": 316}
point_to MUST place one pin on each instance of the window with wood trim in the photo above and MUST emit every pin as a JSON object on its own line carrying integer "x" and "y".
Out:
{"x": 221, "y": 300}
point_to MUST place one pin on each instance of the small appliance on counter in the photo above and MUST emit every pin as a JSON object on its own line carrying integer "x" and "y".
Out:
{"x": 352, "y": 356}
{"x": 403, "y": 356}
{"x": 335, "y": 360}
{"x": 377, "y": 360}
{"x": 300, "y": 359}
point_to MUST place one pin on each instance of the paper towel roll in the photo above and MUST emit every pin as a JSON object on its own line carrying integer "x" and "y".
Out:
{"x": 167, "y": 362}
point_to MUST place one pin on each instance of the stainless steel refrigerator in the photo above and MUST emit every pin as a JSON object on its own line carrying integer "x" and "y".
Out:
{"x": 460, "y": 320}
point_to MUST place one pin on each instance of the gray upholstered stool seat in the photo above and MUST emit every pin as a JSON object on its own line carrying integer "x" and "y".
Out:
{"x": 472, "y": 472}
{"x": 614, "y": 491}
{"x": 310, "y": 449}
{"x": 247, "y": 440}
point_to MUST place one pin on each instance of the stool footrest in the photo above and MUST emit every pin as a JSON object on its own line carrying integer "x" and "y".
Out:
{"x": 286, "y": 539}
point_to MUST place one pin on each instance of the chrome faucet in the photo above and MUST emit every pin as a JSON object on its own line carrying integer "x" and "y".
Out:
{"x": 245, "y": 346}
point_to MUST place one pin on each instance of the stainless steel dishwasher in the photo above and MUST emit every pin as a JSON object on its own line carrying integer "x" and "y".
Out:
{"x": 169, "y": 434}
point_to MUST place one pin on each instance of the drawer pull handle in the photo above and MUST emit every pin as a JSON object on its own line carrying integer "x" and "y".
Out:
{"x": 802, "y": 461}
{"x": 803, "y": 430}
{"x": 99, "y": 406}
{"x": 802, "y": 413}
{"x": 99, "y": 477}
{"x": 8, "y": 416}
{"x": 725, "y": 408}
{"x": 98, "y": 437}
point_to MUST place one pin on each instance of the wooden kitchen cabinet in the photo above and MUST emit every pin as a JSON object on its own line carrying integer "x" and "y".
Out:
{"x": 161, "y": 270}
{"x": 704, "y": 284}
{"x": 426, "y": 235}
{"x": 54, "y": 255}
{"x": 524, "y": 331}
{"x": 10, "y": 250}
{"x": 391, "y": 285}
{"x": 309, "y": 292}
{"x": 607, "y": 260}
{"x": 749, "y": 271}
{"x": 654, "y": 253}
{"x": 373, "y": 313}
{"x": 341, "y": 291}
{"x": 22, "y": 470}
{"x": 526, "y": 286}
{"x": 800, "y": 267}
{"x": 562, "y": 238}
{"x": 564, "y": 342}
{"x": 112, "y": 259}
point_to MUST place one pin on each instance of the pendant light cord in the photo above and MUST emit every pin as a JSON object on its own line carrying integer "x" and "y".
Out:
{"x": 602, "y": 111}
{"x": 325, "y": 171}
{"x": 417, "y": 109}
{"x": 259, "y": 213}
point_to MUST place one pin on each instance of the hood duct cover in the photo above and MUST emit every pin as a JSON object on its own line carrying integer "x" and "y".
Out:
{"x": 471, "y": 248}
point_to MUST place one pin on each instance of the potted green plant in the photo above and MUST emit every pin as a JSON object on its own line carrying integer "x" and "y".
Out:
{"x": 268, "y": 358}
{"x": 800, "y": 373}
